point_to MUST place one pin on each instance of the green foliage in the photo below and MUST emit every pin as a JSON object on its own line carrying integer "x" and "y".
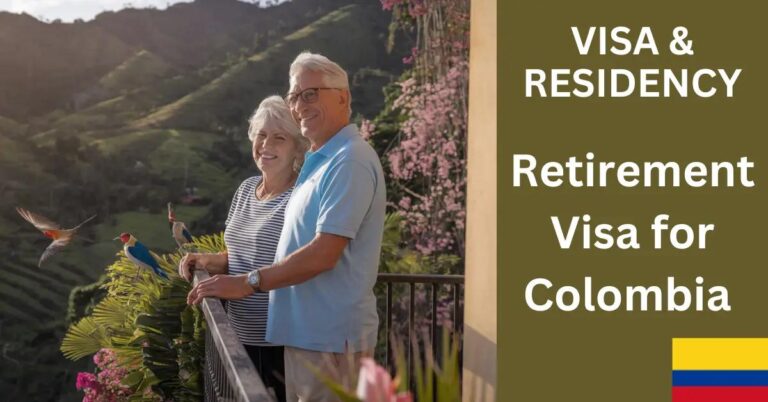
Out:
{"x": 157, "y": 337}
{"x": 141, "y": 69}
{"x": 398, "y": 259}
{"x": 432, "y": 381}
{"x": 84, "y": 338}
{"x": 82, "y": 300}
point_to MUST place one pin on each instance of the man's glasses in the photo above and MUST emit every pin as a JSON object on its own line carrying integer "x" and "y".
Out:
{"x": 309, "y": 95}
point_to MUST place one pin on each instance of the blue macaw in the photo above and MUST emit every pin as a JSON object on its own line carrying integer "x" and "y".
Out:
{"x": 179, "y": 230}
{"x": 139, "y": 254}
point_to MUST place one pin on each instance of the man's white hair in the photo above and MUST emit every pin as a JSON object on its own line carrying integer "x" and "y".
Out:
{"x": 274, "y": 108}
{"x": 333, "y": 75}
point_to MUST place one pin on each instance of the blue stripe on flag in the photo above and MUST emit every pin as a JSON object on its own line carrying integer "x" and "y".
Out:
{"x": 720, "y": 377}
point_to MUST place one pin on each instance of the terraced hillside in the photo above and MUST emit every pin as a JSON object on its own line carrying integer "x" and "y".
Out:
{"x": 34, "y": 301}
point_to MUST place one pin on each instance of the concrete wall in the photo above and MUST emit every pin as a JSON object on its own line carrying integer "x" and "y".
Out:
{"x": 480, "y": 291}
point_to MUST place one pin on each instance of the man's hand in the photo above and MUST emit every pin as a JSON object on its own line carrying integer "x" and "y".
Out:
{"x": 221, "y": 286}
{"x": 213, "y": 263}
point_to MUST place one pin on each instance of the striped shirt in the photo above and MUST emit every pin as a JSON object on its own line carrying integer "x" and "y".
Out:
{"x": 252, "y": 231}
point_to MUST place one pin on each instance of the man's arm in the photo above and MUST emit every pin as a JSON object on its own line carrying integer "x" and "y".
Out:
{"x": 319, "y": 255}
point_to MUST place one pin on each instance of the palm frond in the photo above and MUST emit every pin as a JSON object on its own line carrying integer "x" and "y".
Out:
{"x": 210, "y": 243}
{"x": 84, "y": 338}
{"x": 111, "y": 313}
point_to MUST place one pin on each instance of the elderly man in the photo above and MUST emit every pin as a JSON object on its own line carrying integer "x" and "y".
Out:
{"x": 322, "y": 306}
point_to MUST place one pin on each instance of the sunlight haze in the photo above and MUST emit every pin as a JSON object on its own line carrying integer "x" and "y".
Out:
{"x": 70, "y": 10}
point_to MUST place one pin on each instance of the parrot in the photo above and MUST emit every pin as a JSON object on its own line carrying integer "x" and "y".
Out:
{"x": 61, "y": 237}
{"x": 139, "y": 254}
{"x": 178, "y": 229}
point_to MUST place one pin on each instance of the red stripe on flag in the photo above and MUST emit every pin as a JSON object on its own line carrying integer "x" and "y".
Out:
{"x": 719, "y": 394}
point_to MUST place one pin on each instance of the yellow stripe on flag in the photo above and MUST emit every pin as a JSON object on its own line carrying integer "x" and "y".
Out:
{"x": 720, "y": 354}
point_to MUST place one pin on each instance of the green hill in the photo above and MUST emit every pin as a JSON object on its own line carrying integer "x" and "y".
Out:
{"x": 142, "y": 69}
{"x": 352, "y": 36}
{"x": 9, "y": 127}
{"x": 45, "y": 66}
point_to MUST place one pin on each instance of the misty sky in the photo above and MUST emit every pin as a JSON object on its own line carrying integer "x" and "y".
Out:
{"x": 69, "y": 10}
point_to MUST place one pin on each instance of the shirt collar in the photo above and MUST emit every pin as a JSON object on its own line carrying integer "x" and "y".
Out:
{"x": 337, "y": 141}
{"x": 330, "y": 148}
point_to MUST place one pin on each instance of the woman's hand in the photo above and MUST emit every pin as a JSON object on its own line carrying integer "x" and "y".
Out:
{"x": 213, "y": 263}
{"x": 221, "y": 286}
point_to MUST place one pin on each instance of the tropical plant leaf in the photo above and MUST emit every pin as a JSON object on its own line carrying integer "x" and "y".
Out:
{"x": 133, "y": 379}
{"x": 84, "y": 338}
{"x": 111, "y": 313}
{"x": 448, "y": 379}
{"x": 422, "y": 373}
{"x": 156, "y": 336}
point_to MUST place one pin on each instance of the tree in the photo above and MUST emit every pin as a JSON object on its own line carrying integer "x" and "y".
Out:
{"x": 427, "y": 161}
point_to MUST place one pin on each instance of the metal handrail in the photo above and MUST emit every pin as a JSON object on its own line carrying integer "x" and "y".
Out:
{"x": 422, "y": 278}
{"x": 229, "y": 371}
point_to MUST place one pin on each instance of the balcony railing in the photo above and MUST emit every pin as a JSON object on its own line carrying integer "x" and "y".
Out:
{"x": 229, "y": 374}
{"x": 432, "y": 285}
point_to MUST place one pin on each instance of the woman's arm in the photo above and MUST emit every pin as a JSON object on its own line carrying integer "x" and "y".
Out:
{"x": 213, "y": 263}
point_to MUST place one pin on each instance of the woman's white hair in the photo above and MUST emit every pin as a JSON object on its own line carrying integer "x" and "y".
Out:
{"x": 274, "y": 109}
{"x": 333, "y": 75}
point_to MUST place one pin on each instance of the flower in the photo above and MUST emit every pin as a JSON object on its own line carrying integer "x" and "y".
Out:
{"x": 376, "y": 385}
{"x": 427, "y": 160}
{"x": 86, "y": 381}
{"x": 106, "y": 384}
{"x": 367, "y": 129}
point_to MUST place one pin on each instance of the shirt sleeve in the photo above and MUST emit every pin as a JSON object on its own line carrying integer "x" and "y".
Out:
{"x": 236, "y": 198}
{"x": 346, "y": 196}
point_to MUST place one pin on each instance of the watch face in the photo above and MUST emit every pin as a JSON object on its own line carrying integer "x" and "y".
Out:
{"x": 253, "y": 278}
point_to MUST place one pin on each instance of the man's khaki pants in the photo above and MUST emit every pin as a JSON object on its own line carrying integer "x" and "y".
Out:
{"x": 302, "y": 383}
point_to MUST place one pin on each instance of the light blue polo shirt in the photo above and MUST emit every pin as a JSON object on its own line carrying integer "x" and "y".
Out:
{"x": 340, "y": 190}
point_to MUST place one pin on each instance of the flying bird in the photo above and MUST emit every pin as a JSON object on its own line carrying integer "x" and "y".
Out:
{"x": 139, "y": 254}
{"x": 178, "y": 229}
{"x": 52, "y": 230}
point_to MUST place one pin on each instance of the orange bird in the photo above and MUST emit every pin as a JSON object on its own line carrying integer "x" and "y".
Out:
{"x": 52, "y": 230}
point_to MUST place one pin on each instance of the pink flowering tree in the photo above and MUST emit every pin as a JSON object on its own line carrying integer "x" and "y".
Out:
{"x": 427, "y": 158}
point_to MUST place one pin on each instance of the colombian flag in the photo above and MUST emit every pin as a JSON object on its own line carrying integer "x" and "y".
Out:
{"x": 720, "y": 370}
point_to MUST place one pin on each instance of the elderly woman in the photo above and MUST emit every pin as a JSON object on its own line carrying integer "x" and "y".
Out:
{"x": 252, "y": 232}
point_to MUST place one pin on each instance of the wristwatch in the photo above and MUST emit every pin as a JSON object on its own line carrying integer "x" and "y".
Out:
{"x": 254, "y": 279}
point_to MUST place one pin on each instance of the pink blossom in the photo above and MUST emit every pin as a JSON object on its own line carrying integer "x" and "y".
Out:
{"x": 389, "y": 4}
{"x": 105, "y": 385}
{"x": 429, "y": 160}
{"x": 367, "y": 129}
{"x": 376, "y": 385}
{"x": 86, "y": 380}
